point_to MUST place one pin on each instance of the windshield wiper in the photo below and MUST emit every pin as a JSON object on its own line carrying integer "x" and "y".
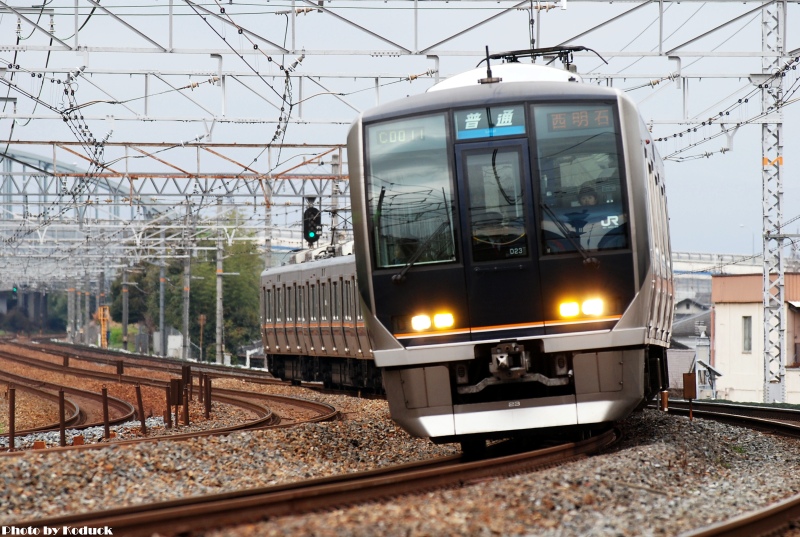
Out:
{"x": 590, "y": 261}
{"x": 401, "y": 276}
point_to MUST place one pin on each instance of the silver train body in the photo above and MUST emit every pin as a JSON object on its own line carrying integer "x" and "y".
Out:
{"x": 500, "y": 299}
{"x": 312, "y": 326}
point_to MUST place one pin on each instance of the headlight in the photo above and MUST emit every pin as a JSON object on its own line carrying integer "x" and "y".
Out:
{"x": 440, "y": 321}
{"x": 420, "y": 322}
{"x": 592, "y": 306}
{"x": 443, "y": 320}
{"x": 569, "y": 309}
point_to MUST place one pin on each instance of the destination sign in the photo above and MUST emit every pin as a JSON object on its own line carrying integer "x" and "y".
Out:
{"x": 578, "y": 119}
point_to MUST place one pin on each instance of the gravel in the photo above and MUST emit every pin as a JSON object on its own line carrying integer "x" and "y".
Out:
{"x": 31, "y": 410}
{"x": 666, "y": 476}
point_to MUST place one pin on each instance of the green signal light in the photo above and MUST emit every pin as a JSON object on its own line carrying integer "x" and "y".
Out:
{"x": 311, "y": 234}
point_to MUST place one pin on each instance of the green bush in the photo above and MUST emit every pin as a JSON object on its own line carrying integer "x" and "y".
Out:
{"x": 115, "y": 339}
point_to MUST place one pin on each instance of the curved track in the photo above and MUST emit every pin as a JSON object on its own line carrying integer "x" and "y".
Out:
{"x": 191, "y": 514}
{"x": 72, "y": 412}
{"x": 253, "y": 402}
{"x": 771, "y": 520}
{"x": 124, "y": 411}
{"x": 67, "y": 351}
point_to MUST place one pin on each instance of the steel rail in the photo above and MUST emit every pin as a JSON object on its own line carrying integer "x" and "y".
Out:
{"x": 771, "y": 520}
{"x": 110, "y": 357}
{"x": 774, "y": 518}
{"x": 221, "y": 395}
{"x": 124, "y": 408}
{"x": 239, "y": 507}
{"x": 781, "y": 421}
{"x": 325, "y": 411}
{"x": 71, "y": 409}
{"x": 265, "y": 418}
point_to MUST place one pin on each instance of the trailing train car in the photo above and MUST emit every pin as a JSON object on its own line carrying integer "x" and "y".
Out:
{"x": 512, "y": 256}
{"x": 311, "y": 321}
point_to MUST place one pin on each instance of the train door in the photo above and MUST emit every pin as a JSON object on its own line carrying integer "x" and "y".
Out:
{"x": 348, "y": 311}
{"x": 280, "y": 319}
{"x": 291, "y": 318}
{"x": 365, "y": 347}
{"x": 271, "y": 339}
{"x": 499, "y": 241}
{"x": 315, "y": 335}
{"x": 325, "y": 317}
{"x": 337, "y": 320}
{"x": 301, "y": 318}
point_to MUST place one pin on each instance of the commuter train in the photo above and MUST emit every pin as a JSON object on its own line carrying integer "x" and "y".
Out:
{"x": 512, "y": 264}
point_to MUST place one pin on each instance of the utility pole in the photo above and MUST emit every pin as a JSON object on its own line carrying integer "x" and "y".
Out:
{"x": 71, "y": 311}
{"x": 78, "y": 323}
{"x": 772, "y": 17}
{"x": 125, "y": 309}
{"x": 220, "y": 320}
{"x": 162, "y": 278}
{"x": 101, "y": 290}
{"x": 335, "y": 199}
{"x": 202, "y": 320}
{"x": 187, "y": 284}
{"x": 87, "y": 313}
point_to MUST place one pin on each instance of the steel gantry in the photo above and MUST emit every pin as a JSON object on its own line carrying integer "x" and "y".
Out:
{"x": 57, "y": 222}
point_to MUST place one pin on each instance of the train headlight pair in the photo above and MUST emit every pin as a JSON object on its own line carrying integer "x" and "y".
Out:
{"x": 590, "y": 307}
{"x": 439, "y": 321}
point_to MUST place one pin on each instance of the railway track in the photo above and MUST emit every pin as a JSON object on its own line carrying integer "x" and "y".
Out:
{"x": 72, "y": 412}
{"x": 203, "y": 513}
{"x": 771, "y": 520}
{"x": 123, "y": 411}
{"x": 780, "y": 515}
{"x": 173, "y": 366}
{"x": 257, "y": 403}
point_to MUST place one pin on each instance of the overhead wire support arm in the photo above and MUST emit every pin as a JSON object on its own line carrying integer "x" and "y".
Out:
{"x": 19, "y": 14}
{"x": 121, "y": 21}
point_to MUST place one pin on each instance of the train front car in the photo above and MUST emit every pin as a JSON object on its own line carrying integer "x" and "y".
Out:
{"x": 515, "y": 267}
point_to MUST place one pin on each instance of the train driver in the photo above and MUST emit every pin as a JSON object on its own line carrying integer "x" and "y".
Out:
{"x": 587, "y": 196}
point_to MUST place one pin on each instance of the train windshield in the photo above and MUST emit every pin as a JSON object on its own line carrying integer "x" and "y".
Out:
{"x": 581, "y": 180}
{"x": 495, "y": 186}
{"x": 410, "y": 192}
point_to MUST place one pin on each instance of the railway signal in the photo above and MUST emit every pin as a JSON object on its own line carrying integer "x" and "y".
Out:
{"x": 312, "y": 225}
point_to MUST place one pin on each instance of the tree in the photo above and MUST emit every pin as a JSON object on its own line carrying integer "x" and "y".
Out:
{"x": 240, "y": 302}
{"x": 241, "y": 298}
{"x": 57, "y": 312}
{"x": 136, "y": 297}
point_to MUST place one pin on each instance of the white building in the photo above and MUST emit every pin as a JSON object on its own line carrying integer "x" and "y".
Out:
{"x": 737, "y": 336}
